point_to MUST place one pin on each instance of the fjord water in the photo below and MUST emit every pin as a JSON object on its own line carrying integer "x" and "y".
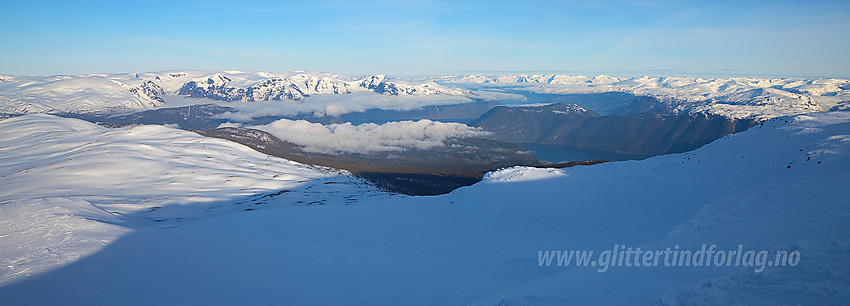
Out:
{"x": 607, "y": 103}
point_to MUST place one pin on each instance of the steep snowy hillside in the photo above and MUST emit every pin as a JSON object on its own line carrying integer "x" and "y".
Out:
{"x": 732, "y": 97}
{"x": 80, "y": 185}
{"x": 780, "y": 186}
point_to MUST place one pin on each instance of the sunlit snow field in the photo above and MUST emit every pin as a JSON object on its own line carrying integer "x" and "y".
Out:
{"x": 78, "y": 217}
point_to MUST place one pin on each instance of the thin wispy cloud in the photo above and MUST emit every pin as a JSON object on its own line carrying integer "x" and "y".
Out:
{"x": 648, "y": 34}
{"x": 321, "y": 105}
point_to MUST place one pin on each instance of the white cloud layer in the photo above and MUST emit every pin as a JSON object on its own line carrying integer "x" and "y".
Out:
{"x": 229, "y": 125}
{"x": 368, "y": 137}
{"x": 321, "y": 105}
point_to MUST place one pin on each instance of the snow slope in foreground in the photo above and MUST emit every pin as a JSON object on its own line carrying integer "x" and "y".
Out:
{"x": 780, "y": 186}
{"x": 68, "y": 187}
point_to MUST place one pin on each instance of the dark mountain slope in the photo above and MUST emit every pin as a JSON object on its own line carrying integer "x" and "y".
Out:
{"x": 647, "y": 133}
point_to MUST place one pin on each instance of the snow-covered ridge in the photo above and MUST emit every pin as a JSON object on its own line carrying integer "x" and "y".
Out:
{"x": 129, "y": 170}
{"x": 732, "y": 97}
{"x": 114, "y": 93}
{"x": 751, "y": 98}
{"x": 302, "y": 85}
{"x": 44, "y": 156}
{"x": 78, "y": 94}
{"x": 69, "y": 187}
{"x": 147, "y": 91}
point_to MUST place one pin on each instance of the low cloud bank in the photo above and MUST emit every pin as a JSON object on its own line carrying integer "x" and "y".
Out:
{"x": 495, "y": 94}
{"x": 321, "y": 105}
{"x": 368, "y": 137}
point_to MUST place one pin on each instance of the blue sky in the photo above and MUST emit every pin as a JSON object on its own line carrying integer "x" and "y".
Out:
{"x": 624, "y": 38}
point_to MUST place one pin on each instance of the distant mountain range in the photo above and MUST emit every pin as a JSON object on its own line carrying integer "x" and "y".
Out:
{"x": 757, "y": 98}
{"x": 740, "y": 98}
{"x": 299, "y": 86}
{"x": 117, "y": 93}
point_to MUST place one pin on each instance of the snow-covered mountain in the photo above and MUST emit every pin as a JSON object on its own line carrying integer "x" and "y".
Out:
{"x": 115, "y": 93}
{"x": 301, "y": 85}
{"x": 739, "y": 98}
{"x": 83, "y": 202}
{"x": 732, "y": 97}
{"x": 70, "y": 187}
{"x": 94, "y": 93}
{"x": 147, "y": 90}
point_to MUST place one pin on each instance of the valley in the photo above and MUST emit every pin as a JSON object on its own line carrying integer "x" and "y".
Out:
{"x": 436, "y": 152}
{"x": 310, "y": 180}
{"x": 560, "y": 132}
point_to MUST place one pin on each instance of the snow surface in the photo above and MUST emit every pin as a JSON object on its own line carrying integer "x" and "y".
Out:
{"x": 42, "y": 233}
{"x": 758, "y": 98}
{"x": 79, "y": 94}
{"x": 127, "y": 92}
{"x": 68, "y": 179}
{"x": 290, "y": 93}
{"x": 778, "y": 186}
